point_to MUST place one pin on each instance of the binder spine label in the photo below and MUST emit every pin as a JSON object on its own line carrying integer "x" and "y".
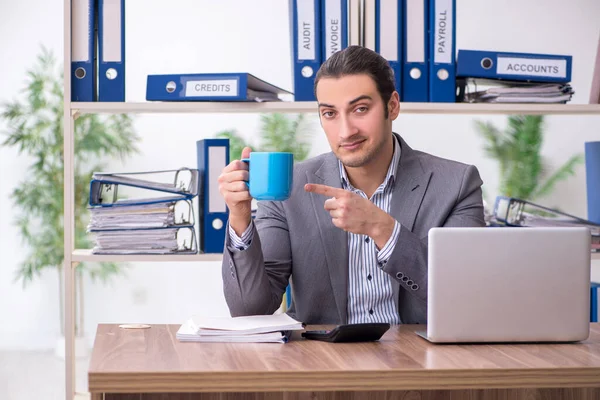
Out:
{"x": 80, "y": 39}
{"x": 214, "y": 88}
{"x": 550, "y": 68}
{"x": 112, "y": 31}
{"x": 217, "y": 157}
{"x": 443, "y": 31}
{"x": 354, "y": 23}
{"x": 388, "y": 29}
{"x": 415, "y": 31}
{"x": 306, "y": 30}
{"x": 333, "y": 27}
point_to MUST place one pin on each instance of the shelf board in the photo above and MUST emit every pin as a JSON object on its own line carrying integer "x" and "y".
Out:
{"x": 194, "y": 107}
{"x": 85, "y": 255}
{"x": 310, "y": 106}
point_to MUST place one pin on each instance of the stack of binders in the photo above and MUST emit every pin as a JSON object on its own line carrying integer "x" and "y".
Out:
{"x": 499, "y": 77}
{"x": 416, "y": 37}
{"x": 510, "y": 211}
{"x": 144, "y": 212}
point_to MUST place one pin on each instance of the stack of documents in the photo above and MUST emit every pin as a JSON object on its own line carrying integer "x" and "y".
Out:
{"x": 144, "y": 212}
{"x": 145, "y": 241}
{"x": 156, "y": 215}
{"x": 473, "y": 90}
{"x": 510, "y": 211}
{"x": 274, "y": 328}
{"x": 508, "y": 77}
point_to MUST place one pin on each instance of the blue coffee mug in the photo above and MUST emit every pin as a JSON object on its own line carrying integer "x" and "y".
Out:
{"x": 271, "y": 175}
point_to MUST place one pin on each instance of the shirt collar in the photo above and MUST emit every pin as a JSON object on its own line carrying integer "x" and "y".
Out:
{"x": 389, "y": 177}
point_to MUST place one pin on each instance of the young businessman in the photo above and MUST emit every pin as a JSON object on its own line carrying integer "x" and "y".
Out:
{"x": 353, "y": 235}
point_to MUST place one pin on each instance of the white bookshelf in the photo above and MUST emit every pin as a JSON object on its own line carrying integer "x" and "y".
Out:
{"x": 73, "y": 109}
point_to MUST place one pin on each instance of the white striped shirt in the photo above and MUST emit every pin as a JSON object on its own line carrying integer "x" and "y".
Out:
{"x": 370, "y": 294}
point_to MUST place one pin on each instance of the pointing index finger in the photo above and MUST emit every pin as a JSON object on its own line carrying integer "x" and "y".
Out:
{"x": 324, "y": 190}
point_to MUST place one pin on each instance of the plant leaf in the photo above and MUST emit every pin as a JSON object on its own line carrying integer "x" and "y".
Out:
{"x": 518, "y": 152}
{"x": 566, "y": 170}
{"x": 236, "y": 144}
{"x": 34, "y": 125}
{"x": 496, "y": 146}
{"x": 523, "y": 171}
{"x": 279, "y": 133}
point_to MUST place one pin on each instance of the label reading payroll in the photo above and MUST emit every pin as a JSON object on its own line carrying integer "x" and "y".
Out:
{"x": 443, "y": 31}
{"x": 549, "y": 68}
{"x": 216, "y": 88}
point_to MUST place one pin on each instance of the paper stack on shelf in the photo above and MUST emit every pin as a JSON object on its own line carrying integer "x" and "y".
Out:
{"x": 156, "y": 215}
{"x": 472, "y": 90}
{"x": 274, "y": 328}
{"x": 485, "y": 76}
{"x": 146, "y": 241}
{"x": 130, "y": 213}
{"x": 509, "y": 211}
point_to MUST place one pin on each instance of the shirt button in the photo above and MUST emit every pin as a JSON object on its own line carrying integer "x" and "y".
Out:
{"x": 369, "y": 277}
{"x": 367, "y": 240}
{"x": 371, "y": 311}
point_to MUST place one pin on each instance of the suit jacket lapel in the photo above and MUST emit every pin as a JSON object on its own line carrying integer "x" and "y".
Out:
{"x": 334, "y": 239}
{"x": 410, "y": 184}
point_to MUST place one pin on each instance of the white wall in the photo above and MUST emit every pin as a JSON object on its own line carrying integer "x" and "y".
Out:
{"x": 235, "y": 35}
{"x": 29, "y": 317}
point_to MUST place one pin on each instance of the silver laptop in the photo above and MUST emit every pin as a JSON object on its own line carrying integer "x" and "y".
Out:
{"x": 508, "y": 285}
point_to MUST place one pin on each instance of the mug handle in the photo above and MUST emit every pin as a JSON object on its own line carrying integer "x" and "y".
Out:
{"x": 246, "y": 160}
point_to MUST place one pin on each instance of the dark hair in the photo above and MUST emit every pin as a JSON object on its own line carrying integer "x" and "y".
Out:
{"x": 355, "y": 60}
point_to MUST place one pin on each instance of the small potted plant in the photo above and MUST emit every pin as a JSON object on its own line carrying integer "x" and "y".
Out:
{"x": 524, "y": 174}
{"x": 34, "y": 127}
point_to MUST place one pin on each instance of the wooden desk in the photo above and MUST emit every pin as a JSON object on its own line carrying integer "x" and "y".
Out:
{"x": 154, "y": 365}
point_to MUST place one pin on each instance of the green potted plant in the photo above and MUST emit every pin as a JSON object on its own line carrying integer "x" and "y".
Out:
{"x": 524, "y": 173}
{"x": 278, "y": 132}
{"x": 35, "y": 127}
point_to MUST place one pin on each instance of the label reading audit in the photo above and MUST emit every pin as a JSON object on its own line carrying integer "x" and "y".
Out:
{"x": 214, "y": 88}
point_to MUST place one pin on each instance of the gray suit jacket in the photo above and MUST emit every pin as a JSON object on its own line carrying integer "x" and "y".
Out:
{"x": 297, "y": 238}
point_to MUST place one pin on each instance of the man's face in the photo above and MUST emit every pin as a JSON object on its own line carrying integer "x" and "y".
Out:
{"x": 352, "y": 114}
